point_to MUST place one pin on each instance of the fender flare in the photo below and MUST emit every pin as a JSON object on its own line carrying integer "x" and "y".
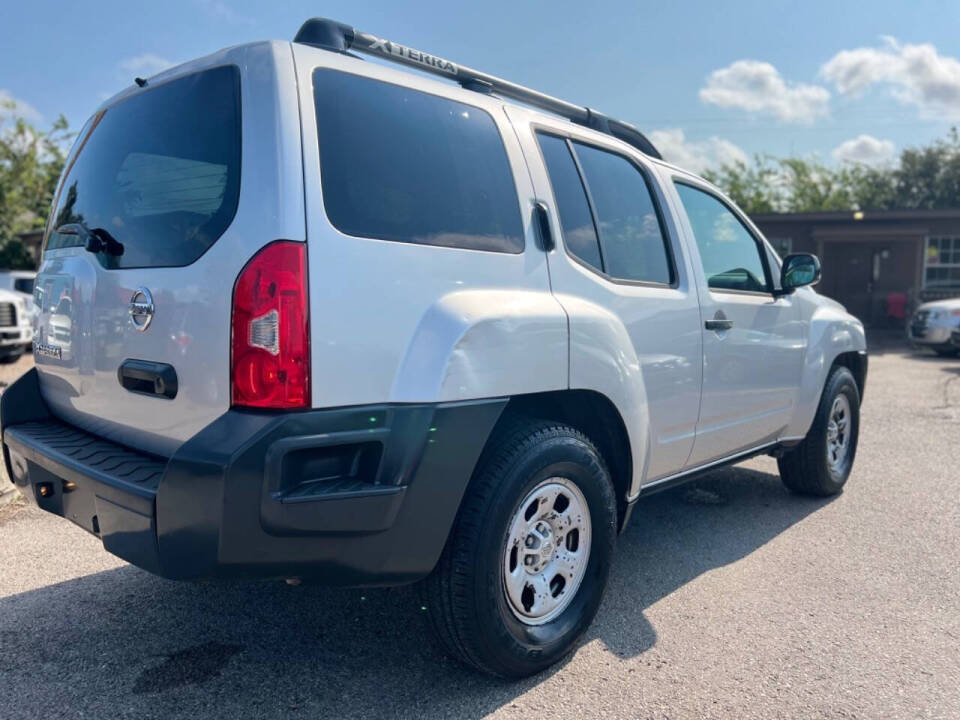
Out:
{"x": 603, "y": 359}
{"x": 476, "y": 344}
{"x": 831, "y": 332}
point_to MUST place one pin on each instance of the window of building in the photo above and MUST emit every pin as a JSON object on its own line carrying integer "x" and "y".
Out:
{"x": 941, "y": 267}
{"x": 399, "y": 164}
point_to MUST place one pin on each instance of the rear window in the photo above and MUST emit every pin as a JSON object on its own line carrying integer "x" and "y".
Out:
{"x": 399, "y": 164}
{"x": 159, "y": 172}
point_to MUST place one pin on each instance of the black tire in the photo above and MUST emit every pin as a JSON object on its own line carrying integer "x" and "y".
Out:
{"x": 947, "y": 351}
{"x": 465, "y": 597}
{"x": 806, "y": 469}
{"x": 9, "y": 358}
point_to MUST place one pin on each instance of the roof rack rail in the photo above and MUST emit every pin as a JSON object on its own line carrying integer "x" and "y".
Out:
{"x": 336, "y": 36}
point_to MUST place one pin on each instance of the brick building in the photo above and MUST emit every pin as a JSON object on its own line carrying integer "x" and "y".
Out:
{"x": 876, "y": 263}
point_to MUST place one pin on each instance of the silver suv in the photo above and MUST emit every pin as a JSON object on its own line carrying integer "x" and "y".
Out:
{"x": 932, "y": 325}
{"x": 307, "y": 315}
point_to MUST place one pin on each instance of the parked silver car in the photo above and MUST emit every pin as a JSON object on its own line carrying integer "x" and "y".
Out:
{"x": 932, "y": 324}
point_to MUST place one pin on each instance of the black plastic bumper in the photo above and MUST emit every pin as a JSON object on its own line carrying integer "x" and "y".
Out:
{"x": 353, "y": 496}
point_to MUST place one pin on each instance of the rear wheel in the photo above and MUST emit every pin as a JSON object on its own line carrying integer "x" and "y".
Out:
{"x": 524, "y": 569}
{"x": 947, "y": 351}
{"x": 821, "y": 464}
{"x": 11, "y": 356}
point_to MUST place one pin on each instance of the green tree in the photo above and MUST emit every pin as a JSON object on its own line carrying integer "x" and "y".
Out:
{"x": 813, "y": 187}
{"x": 755, "y": 188}
{"x": 926, "y": 177}
{"x": 929, "y": 177}
{"x": 31, "y": 160}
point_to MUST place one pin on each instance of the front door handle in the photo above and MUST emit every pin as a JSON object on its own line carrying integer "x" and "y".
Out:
{"x": 718, "y": 324}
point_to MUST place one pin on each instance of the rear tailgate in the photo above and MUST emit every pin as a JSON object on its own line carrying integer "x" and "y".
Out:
{"x": 157, "y": 172}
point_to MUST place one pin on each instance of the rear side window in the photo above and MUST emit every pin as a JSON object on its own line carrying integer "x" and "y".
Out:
{"x": 399, "y": 164}
{"x": 606, "y": 207}
{"x": 631, "y": 237}
{"x": 579, "y": 232}
{"x": 729, "y": 252}
{"x": 159, "y": 173}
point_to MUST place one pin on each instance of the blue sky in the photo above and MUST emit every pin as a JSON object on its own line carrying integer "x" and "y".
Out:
{"x": 710, "y": 81}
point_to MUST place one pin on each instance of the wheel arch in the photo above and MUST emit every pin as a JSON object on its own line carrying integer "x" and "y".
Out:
{"x": 856, "y": 362}
{"x": 484, "y": 343}
{"x": 597, "y": 417}
{"x": 835, "y": 338}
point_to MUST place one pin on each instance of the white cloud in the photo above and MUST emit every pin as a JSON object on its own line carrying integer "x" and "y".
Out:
{"x": 759, "y": 87}
{"x": 696, "y": 156}
{"x": 865, "y": 150}
{"x": 916, "y": 75}
{"x": 146, "y": 64}
{"x": 20, "y": 108}
{"x": 220, "y": 10}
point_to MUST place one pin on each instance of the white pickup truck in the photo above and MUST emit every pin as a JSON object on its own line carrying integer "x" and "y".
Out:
{"x": 311, "y": 316}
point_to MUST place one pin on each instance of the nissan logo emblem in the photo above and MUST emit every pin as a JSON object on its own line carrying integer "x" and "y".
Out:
{"x": 141, "y": 309}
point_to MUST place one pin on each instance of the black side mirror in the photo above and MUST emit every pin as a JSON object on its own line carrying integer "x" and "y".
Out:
{"x": 799, "y": 270}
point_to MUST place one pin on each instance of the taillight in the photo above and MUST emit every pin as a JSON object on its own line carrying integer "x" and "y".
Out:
{"x": 270, "y": 353}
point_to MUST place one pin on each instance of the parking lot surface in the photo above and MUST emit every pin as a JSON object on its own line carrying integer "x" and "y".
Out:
{"x": 728, "y": 598}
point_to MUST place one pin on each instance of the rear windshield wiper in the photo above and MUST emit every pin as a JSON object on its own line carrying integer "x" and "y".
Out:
{"x": 96, "y": 240}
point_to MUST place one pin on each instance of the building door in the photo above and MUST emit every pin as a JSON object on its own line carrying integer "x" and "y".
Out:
{"x": 861, "y": 274}
{"x": 848, "y": 276}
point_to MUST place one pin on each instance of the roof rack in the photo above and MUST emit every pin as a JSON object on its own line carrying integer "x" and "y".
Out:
{"x": 336, "y": 36}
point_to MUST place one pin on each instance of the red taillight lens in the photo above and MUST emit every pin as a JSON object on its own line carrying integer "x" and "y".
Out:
{"x": 270, "y": 355}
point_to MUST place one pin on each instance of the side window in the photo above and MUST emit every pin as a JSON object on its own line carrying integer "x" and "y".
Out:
{"x": 730, "y": 254}
{"x": 579, "y": 232}
{"x": 631, "y": 238}
{"x": 399, "y": 164}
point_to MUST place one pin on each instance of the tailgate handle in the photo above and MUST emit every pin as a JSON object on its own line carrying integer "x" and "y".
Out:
{"x": 148, "y": 378}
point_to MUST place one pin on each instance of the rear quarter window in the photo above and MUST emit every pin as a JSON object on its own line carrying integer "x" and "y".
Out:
{"x": 399, "y": 164}
{"x": 159, "y": 171}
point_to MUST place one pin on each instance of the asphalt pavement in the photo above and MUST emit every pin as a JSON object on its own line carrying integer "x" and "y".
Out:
{"x": 729, "y": 598}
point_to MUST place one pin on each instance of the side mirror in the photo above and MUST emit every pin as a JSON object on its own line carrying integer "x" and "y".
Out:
{"x": 799, "y": 270}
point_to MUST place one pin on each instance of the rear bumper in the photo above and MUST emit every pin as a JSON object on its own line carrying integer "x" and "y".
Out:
{"x": 352, "y": 496}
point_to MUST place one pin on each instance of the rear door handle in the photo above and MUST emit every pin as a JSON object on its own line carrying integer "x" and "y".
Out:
{"x": 718, "y": 324}
{"x": 148, "y": 378}
{"x": 544, "y": 235}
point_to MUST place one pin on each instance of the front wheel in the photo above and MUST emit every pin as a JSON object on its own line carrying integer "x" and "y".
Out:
{"x": 524, "y": 569}
{"x": 821, "y": 464}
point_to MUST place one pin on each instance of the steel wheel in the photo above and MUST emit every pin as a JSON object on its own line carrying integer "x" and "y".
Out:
{"x": 546, "y": 551}
{"x": 838, "y": 432}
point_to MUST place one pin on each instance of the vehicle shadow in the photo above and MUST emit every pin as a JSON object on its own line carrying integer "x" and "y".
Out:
{"x": 125, "y": 639}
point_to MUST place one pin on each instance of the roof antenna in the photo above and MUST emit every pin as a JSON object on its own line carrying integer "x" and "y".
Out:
{"x": 140, "y": 81}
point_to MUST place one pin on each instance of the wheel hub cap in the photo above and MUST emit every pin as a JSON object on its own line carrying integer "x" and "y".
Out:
{"x": 546, "y": 552}
{"x": 838, "y": 432}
